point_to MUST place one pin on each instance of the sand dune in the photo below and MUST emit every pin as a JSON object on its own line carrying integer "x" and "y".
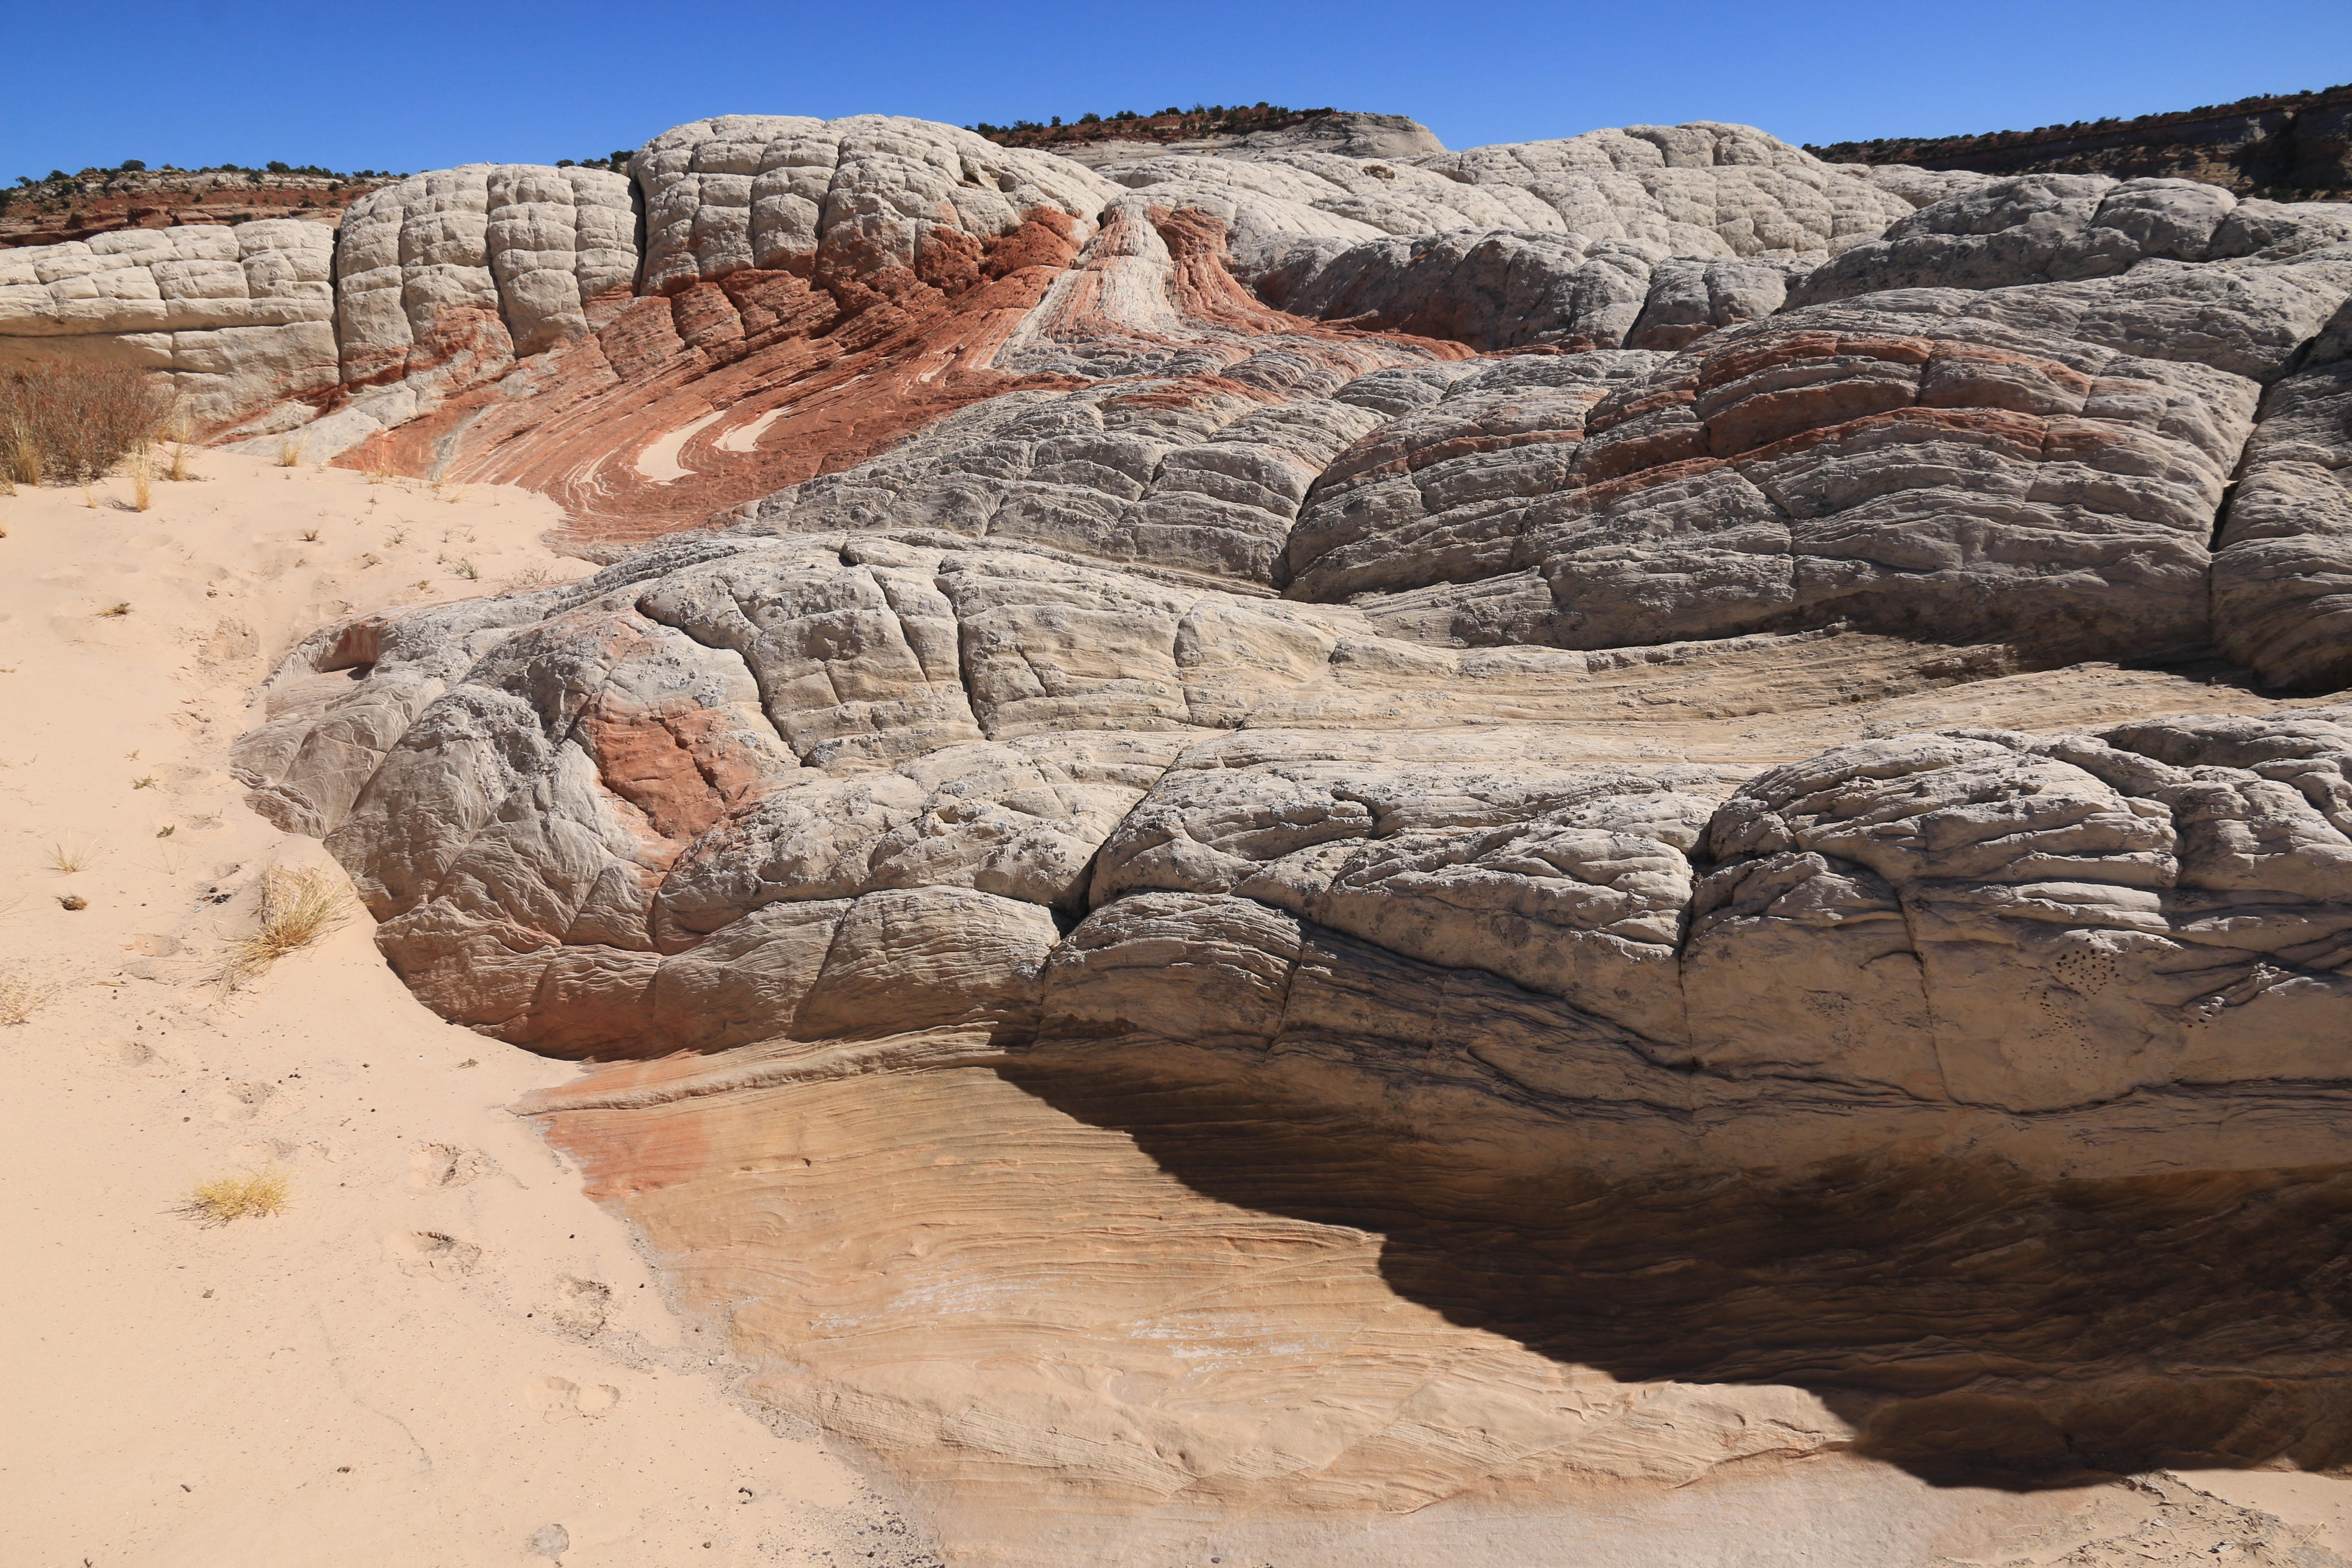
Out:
{"x": 442, "y": 1352}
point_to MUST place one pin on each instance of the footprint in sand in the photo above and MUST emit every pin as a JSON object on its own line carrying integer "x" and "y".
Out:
{"x": 153, "y": 953}
{"x": 261, "y": 1151}
{"x": 133, "y": 1056}
{"x": 436, "y": 1167}
{"x": 252, "y": 1101}
{"x": 560, "y": 1398}
{"x": 419, "y": 1253}
{"x": 579, "y": 1306}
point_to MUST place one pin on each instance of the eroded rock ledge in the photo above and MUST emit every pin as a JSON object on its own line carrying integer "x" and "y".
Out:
{"x": 1597, "y": 810}
{"x": 726, "y": 789}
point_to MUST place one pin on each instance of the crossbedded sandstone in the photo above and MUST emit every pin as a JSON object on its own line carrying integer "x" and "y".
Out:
{"x": 1550, "y": 694}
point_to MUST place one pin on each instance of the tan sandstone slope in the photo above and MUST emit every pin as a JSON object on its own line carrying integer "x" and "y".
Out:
{"x": 1629, "y": 850}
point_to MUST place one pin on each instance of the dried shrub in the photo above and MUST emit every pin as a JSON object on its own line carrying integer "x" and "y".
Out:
{"x": 71, "y": 853}
{"x": 20, "y": 996}
{"x": 179, "y": 472}
{"x": 223, "y": 1198}
{"x": 68, "y": 423}
{"x": 298, "y": 907}
{"x": 22, "y": 453}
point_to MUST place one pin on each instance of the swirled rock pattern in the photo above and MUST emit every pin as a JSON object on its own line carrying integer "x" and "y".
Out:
{"x": 1627, "y": 764}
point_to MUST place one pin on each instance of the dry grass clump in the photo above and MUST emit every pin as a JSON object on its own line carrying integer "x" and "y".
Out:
{"x": 179, "y": 472}
{"x": 298, "y": 907}
{"x": 67, "y": 423}
{"x": 257, "y": 1194}
{"x": 290, "y": 451}
{"x": 71, "y": 854}
{"x": 18, "y": 451}
{"x": 20, "y": 997}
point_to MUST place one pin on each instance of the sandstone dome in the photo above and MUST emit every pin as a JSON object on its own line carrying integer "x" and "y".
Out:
{"x": 1265, "y": 839}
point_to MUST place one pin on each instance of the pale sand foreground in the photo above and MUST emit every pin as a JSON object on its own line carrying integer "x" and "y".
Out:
{"x": 442, "y": 1349}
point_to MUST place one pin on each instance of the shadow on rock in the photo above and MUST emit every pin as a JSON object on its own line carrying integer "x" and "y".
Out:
{"x": 1975, "y": 1325}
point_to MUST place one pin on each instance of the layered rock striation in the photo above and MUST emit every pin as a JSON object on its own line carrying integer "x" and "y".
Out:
{"x": 239, "y": 320}
{"x": 1732, "y": 756}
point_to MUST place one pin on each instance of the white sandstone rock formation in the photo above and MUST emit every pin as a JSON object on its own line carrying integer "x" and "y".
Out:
{"x": 521, "y": 246}
{"x": 240, "y": 319}
{"x": 1530, "y": 701}
{"x": 444, "y": 279}
{"x": 863, "y": 193}
{"x": 1701, "y": 189}
{"x": 2282, "y": 558}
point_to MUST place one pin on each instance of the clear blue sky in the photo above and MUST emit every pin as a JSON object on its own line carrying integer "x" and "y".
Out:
{"x": 430, "y": 83}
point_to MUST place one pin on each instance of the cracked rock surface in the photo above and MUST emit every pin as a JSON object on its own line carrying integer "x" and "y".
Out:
{"x": 1634, "y": 763}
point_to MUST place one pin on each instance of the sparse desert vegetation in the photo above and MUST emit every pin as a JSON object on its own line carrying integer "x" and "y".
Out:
{"x": 68, "y": 422}
{"x": 140, "y": 1077}
{"x": 255, "y": 1194}
{"x": 97, "y": 199}
{"x": 298, "y": 907}
{"x": 21, "y": 996}
{"x": 71, "y": 854}
{"x": 22, "y": 455}
{"x": 178, "y": 471}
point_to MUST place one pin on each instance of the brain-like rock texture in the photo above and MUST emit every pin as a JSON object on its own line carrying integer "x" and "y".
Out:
{"x": 764, "y": 192}
{"x": 421, "y": 262}
{"x": 1703, "y": 189}
{"x": 716, "y": 765}
{"x": 1731, "y": 759}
